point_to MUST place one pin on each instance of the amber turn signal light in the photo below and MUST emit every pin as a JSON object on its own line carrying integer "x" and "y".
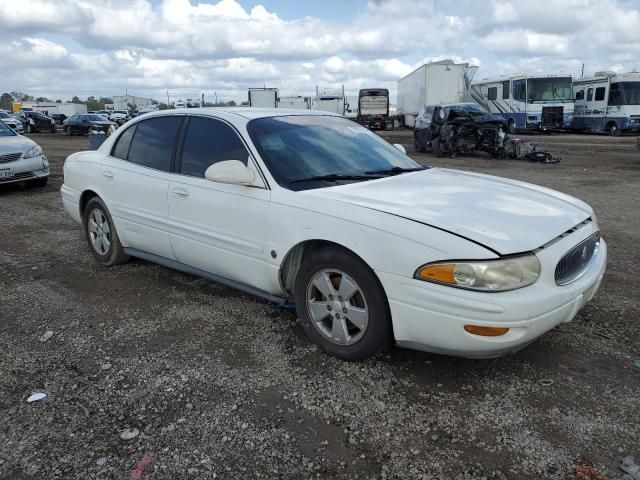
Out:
{"x": 486, "y": 331}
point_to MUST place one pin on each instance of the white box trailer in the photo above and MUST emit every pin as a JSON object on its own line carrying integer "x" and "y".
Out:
{"x": 263, "y": 97}
{"x": 431, "y": 84}
{"x": 50, "y": 108}
{"x": 296, "y": 103}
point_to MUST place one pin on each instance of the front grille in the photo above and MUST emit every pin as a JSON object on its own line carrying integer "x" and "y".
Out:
{"x": 9, "y": 157}
{"x": 577, "y": 261}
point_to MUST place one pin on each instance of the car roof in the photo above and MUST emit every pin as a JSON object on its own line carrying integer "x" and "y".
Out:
{"x": 245, "y": 112}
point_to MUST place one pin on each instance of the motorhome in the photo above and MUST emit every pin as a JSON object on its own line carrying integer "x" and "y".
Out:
{"x": 528, "y": 102}
{"x": 433, "y": 83}
{"x": 607, "y": 102}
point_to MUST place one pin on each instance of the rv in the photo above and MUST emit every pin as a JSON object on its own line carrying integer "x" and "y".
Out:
{"x": 329, "y": 100}
{"x": 373, "y": 109}
{"x": 607, "y": 102}
{"x": 263, "y": 97}
{"x": 528, "y": 102}
{"x": 431, "y": 84}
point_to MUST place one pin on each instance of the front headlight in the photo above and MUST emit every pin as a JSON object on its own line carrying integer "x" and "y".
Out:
{"x": 33, "y": 152}
{"x": 485, "y": 276}
{"x": 31, "y": 121}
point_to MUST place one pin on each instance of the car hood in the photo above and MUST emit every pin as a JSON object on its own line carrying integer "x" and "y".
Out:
{"x": 15, "y": 144}
{"x": 504, "y": 215}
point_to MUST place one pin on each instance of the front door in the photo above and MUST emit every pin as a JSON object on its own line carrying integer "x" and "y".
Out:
{"x": 216, "y": 227}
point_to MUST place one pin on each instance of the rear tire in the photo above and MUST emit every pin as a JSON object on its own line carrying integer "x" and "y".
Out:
{"x": 341, "y": 305}
{"x": 101, "y": 234}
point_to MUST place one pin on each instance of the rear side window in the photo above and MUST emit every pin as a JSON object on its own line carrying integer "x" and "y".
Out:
{"x": 600, "y": 93}
{"x": 208, "y": 141}
{"x": 153, "y": 142}
{"x": 492, "y": 93}
{"x": 121, "y": 150}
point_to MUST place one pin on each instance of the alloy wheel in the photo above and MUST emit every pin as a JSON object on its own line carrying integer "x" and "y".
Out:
{"x": 99, "y": 231}
{"x": 337, "y": 307}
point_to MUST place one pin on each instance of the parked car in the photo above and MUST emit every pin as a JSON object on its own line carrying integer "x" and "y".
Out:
{"x": 21, "y": 159}
{"x": 82, "y": 123}
{"x": 11, "y": 121}
{"x": 312, "y": 208}
{"x": 119, "y": 116}
{"x": 35, "y": 121}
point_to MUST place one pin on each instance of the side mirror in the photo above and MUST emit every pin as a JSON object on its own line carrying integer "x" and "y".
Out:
{"x": 231, "y": 171}
{"x": 400, "y": 147}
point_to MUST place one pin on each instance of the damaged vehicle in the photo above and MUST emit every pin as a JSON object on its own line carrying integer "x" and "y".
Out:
{"x": 460, "y": 128}
{"x": 466, "y": 128}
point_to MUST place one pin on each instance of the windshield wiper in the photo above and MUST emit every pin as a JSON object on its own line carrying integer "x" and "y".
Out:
{"x": 332, "y": 177}
{"x": 395, "y": 170}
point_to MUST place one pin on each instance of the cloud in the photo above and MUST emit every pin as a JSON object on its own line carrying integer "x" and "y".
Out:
{"x": 63, "y": 48}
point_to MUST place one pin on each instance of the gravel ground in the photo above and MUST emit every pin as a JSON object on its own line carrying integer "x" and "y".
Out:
{"x": 151, "y": 373}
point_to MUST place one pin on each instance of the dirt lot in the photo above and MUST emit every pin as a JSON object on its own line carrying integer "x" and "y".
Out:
{"x": 222, "y": 385}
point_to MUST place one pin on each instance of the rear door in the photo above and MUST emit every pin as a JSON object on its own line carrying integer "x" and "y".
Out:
{"x": 216, "y": 227}
{"x": 135, "y": 182}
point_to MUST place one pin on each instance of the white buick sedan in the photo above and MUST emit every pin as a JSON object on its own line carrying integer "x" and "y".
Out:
{"x": 372, "y": 247}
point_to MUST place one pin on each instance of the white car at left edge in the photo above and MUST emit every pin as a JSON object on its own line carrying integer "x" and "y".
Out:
{"x": 371, "y": 246}
{"x": 21, "y": 159}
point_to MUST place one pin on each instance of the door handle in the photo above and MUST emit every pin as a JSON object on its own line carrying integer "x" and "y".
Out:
{"x": 107, "y": 174}
{"x": 180, "y": 192}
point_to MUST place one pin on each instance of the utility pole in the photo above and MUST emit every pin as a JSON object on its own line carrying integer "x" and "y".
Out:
{"x": 168, "y": 104}
{"x": 582, "y": 74}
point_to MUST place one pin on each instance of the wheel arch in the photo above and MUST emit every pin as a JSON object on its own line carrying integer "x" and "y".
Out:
{"x": 293, "y": 259}
{"x": 84, "y": 200}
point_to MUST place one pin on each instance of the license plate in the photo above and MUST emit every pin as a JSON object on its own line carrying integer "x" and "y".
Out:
{"x": 6, "y": 172}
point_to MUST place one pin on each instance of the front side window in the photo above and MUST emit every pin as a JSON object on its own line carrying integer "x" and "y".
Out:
{"x": 520, "y": 90}
{"x": 600, "y": 94}
{"x": 492, "y": 93}
{"x": 154, "y": 141}
{"x": 589, "y": 94}
{"x": 580, "y": 95}
{"x": 296, "y": 149}
{"x": 505, "y": 90}
{"x": 208, "y": 141}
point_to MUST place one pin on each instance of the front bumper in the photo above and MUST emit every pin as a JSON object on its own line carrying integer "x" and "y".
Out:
{"x": 432, "y": 317}
{"x": 26, "y": 169}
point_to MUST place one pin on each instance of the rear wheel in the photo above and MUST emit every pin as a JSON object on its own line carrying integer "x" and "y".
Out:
{"x": 341, "y": 305}
{"x": 101, "y": 234}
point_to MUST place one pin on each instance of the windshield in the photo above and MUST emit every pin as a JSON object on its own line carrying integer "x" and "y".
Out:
{"x": 549, "y": 89}
{"x": 629, "y": 94}
{"x": 299, "y": 147}
{"x": 93, "y": 118}
{"x": 6, "y": 131}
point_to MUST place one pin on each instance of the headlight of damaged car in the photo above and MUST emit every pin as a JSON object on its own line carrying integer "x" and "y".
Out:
{"x": 486, "y": 276}
{"x": 33, "y": 152}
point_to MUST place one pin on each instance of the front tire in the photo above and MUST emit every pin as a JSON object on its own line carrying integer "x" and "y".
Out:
{"x": 511, "y": 126}
{"x": 613, "y": 130}
{"x": 435, "y": 146}
{"x": 29, "y": 128}
{"x": 101, "y": 234}
{"x": 341, "y": 305}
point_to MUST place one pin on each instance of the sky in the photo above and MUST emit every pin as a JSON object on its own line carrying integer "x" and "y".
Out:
{"x": 61, "y": 48}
